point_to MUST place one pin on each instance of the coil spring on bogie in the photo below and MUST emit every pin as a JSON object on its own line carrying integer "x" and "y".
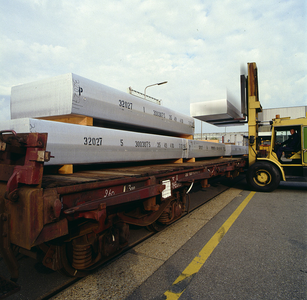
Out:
{"x": 82, "y": 256}
{"x": 164, "y": 217}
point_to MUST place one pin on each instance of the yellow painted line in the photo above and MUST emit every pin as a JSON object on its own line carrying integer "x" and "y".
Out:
{"x": 181, "y": 283}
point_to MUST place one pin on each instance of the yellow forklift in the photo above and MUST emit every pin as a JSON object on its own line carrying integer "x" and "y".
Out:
{"x": 266, "y": 169}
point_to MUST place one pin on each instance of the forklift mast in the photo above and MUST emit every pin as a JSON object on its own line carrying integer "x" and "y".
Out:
{"x": 254, "y": 107}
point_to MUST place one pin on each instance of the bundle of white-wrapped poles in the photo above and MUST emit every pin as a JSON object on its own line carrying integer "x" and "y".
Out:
{"x": 71, "y": 95}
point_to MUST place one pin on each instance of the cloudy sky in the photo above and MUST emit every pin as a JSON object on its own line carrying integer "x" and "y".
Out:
{"x": 198, "y": 46}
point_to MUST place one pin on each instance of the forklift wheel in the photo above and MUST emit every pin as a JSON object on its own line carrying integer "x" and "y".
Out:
{"x": 263, "y": 176}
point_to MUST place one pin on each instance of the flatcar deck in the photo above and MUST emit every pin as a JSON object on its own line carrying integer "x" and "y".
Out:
{"x": 114, "y": 172}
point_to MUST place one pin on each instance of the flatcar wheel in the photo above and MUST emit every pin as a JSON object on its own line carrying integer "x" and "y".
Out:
{"x": 64, "y": 251}
{"x": 156, "y": 227}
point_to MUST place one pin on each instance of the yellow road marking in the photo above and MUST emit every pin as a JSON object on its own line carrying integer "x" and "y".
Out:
{"x": 181, "y": 283}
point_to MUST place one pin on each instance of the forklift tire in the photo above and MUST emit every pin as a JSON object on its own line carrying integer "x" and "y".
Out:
{"x": 263, "y": 176}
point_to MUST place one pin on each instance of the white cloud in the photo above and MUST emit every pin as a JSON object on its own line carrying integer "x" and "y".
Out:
{"x": 197, "y": 46}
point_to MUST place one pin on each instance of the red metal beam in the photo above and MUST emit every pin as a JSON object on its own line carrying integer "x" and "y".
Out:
{"x": 142, "y": 193}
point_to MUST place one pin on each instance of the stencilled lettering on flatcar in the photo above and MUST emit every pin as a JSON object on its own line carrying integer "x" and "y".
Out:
{"x": 175, "y": 183}
{"x": 108, "y": 193}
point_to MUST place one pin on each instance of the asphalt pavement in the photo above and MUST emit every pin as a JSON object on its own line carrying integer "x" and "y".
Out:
{"x": 263, "y": 255}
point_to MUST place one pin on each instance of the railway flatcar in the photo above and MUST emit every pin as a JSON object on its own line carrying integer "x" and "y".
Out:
{"x": 74, "y": 222}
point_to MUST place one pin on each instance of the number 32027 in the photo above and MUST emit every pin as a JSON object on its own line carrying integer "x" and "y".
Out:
{"x": 89, "y": 141}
